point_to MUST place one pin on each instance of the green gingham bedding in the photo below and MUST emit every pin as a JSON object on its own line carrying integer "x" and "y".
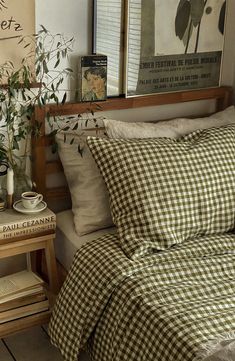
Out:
{"x": 165, "y": 306}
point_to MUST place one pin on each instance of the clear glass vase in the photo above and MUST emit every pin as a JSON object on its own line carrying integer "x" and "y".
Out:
{"x": 22, "y": 183}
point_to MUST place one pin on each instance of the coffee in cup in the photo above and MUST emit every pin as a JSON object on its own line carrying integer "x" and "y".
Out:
{"x": 31, "y": 199}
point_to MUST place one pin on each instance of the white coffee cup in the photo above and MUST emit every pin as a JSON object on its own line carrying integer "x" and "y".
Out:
{"x": 31, "y": 199}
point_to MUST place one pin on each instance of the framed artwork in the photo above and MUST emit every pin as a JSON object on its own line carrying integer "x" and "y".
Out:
{"x": 108, "y": 39}
{"x": 17, "y": 19}
{"x": 173, "y": 45}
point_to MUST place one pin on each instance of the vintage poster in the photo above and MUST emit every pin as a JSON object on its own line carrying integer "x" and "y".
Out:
{"x": 17, "y": 19}
{"x": 174, "y": 45}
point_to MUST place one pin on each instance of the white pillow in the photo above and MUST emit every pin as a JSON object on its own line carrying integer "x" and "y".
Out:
{"x": 167, "y": 128}
{"x": 90, "y": 200}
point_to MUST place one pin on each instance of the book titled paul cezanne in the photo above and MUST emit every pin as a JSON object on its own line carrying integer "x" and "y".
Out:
{"x": 14, "y": 224}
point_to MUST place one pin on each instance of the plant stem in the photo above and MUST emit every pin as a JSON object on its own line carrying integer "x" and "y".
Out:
{"x": 188, "y": 37}
{"x": 198, "y": 32}
{"x": 197, "y": 39}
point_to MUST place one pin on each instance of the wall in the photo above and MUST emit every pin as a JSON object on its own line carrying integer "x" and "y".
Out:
{"x": 71, "y": 17}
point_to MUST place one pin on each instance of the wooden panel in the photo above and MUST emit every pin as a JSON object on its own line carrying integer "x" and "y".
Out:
{"x": 57, "y": 193}
{"x": 54, "y": 167}
{"x": 25, "y": 245}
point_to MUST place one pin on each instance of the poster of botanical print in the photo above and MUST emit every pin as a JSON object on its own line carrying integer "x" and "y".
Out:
{"x": 17, "y": 19}
{"x": 174, "y": 45}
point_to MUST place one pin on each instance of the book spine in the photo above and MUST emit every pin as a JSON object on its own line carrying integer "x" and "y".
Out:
{"x": 23, "y": 311}
{"x": 27, "y": 223}
{"x": 22, "y": 301}
{"x": 27, "y": 231}
{"x": 79, "y": 91}
{"x": 21, "y": 293}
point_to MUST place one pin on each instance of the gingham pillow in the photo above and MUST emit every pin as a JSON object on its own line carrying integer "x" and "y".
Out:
{"x": 164, "y": 191}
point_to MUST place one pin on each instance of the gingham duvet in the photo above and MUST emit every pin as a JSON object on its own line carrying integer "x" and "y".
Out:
{"x": 168, "y": 306}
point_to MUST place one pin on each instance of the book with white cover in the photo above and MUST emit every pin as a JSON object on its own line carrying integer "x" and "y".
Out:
{"x": 11, "y": 220}
{"x": 28, "y": 231}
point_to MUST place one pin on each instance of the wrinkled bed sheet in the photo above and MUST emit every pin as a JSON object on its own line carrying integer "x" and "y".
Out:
{"x": 174, "y": 305}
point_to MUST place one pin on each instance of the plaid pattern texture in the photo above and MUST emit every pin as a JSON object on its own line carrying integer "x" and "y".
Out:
{"x": 164, "y": 306}
{"x": 165, "y": 191}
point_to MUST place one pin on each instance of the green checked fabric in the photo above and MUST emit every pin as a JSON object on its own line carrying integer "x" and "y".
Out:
{"x": 162, "y": 307}
{"x": 165, "y": 191}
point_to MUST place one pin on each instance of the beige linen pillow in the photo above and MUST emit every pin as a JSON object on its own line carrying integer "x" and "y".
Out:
{"x": 90, "y": 201}
{"x": 167, "y": 128}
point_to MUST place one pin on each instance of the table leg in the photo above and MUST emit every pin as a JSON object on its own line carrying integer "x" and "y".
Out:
{"x": 51, "y": 266}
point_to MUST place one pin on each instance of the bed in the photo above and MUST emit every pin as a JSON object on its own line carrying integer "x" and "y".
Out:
{"x": 160, "y": 285}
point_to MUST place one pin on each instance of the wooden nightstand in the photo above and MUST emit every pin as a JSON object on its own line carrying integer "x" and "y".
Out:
{"x": 30, "y": 244}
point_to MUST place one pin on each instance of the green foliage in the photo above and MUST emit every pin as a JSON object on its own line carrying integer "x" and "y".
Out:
{"x": 74, "y": 124}
{"x": 18, "y": 97}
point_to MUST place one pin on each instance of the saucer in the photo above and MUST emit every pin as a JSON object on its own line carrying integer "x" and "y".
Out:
{"x": 18, "y": 206}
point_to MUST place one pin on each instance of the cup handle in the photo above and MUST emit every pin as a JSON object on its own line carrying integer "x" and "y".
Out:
{"x": 39, "y": 198}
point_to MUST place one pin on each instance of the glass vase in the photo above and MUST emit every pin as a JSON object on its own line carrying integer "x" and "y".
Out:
{"x": 22, "y": 183}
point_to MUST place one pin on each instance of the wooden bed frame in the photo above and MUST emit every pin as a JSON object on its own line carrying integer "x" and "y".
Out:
{"x": 42, "y": 167}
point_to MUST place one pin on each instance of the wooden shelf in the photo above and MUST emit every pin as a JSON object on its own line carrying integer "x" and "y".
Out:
{"x": 221, "y": 94}
{"x": 31, "y": 244}
{"x": 23, "y": 323}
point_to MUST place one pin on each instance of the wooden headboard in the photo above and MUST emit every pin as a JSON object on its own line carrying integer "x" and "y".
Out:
{"x": 43, "y": 168}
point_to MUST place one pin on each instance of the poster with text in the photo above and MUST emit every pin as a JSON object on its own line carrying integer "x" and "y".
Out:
{"x": 17, "y": 19}
{"x": 174, "y": 45}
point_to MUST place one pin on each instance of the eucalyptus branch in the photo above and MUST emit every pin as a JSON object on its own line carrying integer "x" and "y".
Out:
{"x": 18, "y": 99}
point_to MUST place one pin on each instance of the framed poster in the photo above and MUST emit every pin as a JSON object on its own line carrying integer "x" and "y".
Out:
{"x": 173, "y": 45}
{"x": 108, "y": 28}
{"x": 17, "y": 18}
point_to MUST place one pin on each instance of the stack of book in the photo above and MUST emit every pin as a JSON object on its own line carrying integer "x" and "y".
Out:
{"x": 21, "y": 294}
{"x": 2, "y": 204}
{"x": 18, "y": 225}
